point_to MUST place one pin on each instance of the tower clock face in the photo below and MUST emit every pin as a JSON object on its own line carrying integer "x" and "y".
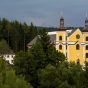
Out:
{"x": 77, "y": 36}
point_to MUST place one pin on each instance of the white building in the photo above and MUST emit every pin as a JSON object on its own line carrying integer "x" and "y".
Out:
{"x": 9, "y": 57}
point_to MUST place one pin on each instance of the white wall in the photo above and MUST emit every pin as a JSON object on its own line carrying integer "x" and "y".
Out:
{"x": 9, "y": 57}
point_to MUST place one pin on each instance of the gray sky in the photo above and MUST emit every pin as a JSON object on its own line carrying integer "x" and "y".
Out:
{"x": 45, "y": 12}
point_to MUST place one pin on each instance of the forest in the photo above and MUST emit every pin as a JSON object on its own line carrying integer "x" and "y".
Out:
{"x": 41, "y": 66}
{"x": 17, "y": 34}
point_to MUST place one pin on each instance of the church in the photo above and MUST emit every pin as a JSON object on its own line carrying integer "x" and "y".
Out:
{"x": 72, "y": 43}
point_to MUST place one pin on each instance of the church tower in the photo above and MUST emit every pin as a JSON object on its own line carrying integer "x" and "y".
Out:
{"x": 61, "y": 23}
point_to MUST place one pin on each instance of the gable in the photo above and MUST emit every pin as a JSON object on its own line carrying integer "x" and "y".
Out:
{"x": 75, "y": 35}
{"x": 73, "y": 31}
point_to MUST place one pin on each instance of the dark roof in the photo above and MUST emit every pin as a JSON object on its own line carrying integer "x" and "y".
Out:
{"x": 33, "y": 41}
{"x": 52, "y": 38}
{"x": 85, "y": 30}
{"x": 73, "y": 32}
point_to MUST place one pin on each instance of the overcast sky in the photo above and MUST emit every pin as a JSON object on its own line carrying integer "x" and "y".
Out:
{"x": 45, "y": 12}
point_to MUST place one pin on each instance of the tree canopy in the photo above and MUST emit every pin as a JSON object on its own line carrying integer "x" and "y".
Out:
{"x": 17, "y": 34}
{"x": 4, "y": 47}
{"x": 8, "y": 78}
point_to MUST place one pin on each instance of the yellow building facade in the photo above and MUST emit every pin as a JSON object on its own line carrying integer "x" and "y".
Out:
{"x": 72, "y": 43}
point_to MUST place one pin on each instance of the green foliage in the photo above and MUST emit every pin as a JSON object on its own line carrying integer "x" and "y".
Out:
{"x": 84, "y": 77}
{"x": 12, "y": 81}
{"x": 45, "y": 39}
{"x": 53, "y": 56}
{"x": 29, "y": 63}
{"x": 64, "y": 85}
{"x": 16, "y": 34}
{"x": 8, "y": 79}
{"x": 38, "y": 55}
{"x": 20, "y": 62}
{"x": 48, "y": 78}
{"x": 4, "y": 48}
{"x": 62, "y": 76}
{"x": 44, "y": 67}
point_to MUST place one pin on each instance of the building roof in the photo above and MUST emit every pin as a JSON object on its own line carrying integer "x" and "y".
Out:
{"x": 33, "y": 41}
{"x": 85, "y": 30}
{"x": 73, "y": 31}
{"x": 53, "y": 35}
{"x": 52, "y": 38}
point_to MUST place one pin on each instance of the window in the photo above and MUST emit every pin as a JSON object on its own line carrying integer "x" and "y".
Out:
{"x": 77, "y": 36}
{"x": 7, "y": 56}
{"x": 77, "y": 47}
{"x": 86, "y": 47}
{"x": 66, "y": 47}
{"x": 86, "y": 55}
{"x": 60, "y": 37}
{"x": 86, "y": 38}
{"x": 60, "y": 47}
{"x": 12, "y": 56}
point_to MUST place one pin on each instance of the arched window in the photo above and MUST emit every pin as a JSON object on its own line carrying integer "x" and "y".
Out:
{"x": 86, "y": 47}
{"x": 77, "y": 47}
{"x": 60, "y": 37}
{"x": 60, "y": 47}
{"x": 86, "y": 38}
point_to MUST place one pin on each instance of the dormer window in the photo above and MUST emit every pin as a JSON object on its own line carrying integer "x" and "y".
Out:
{"x": 60, "y": 47}
{"x": 60, "y": 37}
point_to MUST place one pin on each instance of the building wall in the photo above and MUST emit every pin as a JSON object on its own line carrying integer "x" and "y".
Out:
{"x": 69, "y": 45}
{"x": 61, "y": 42}
{"x": 9, "y": 57}
{"x": 85, "y": 34}
{"x": 75, "y": 54}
